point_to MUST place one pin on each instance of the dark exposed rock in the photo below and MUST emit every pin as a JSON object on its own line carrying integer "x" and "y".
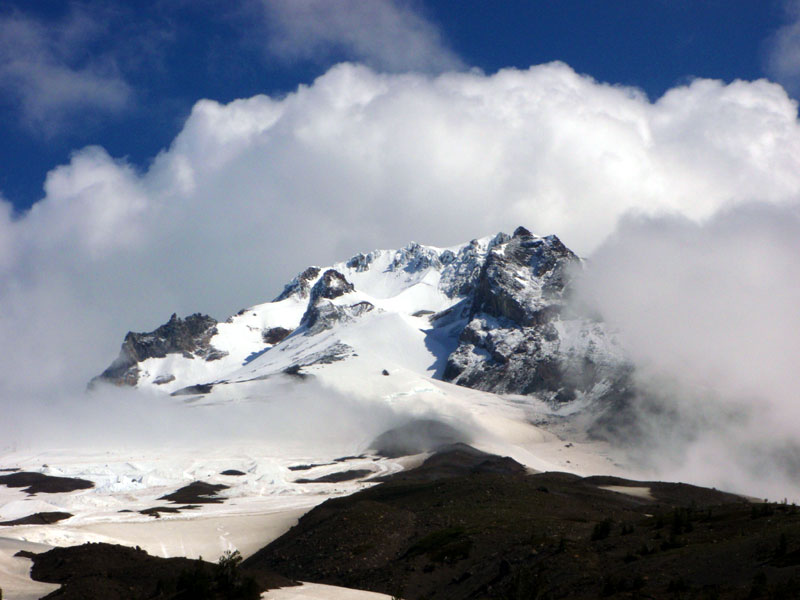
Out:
{"x": 342, "y": 459}
{"x": 461, "y": 272}
{"x": 524, "y": 282}
{"x": 105, "y": 571}
{"x": 414, "y": 258}
{"x": 338, "y": 477}
{"x": 233, "y": 473}
{"x": 520, "y": 232}
{"x": 275, "y": 335}
{"x": 509, "y": 342}
{"x": 300, "y": 285}
{"x": 322, "y": 314}
{"x": 193, "y": 390}
{"x": 502, "y": 358}
{"x": 214, "y": 354}
{"x": 197, "y": 492}
{"x": 467, "y": 525}
{"x": 41, "y": 518}
{"x": 308, "y": 467}
{"x": 190, "y": 337}
{"x": 294, "y": 371}
{"x": 456, "y": 460}
{"x": 156, "y": 511}
{"x": 361, "y": 262}
{"x": 35, "y": 483}
{"x": 110, "y": 572}
{"x": 331, "y": 285}
{"x": 331, "y": 354}
{"x": 325, "y": 314}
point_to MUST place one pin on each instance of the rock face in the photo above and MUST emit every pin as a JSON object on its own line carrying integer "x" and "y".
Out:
{"x": 462, "y": 270}
{"x": 190, "y": 337}
{"x": 275, "y": 335}
{"x": 300, "y": 285}
{"x": 523, "y": 279}
{"x": 321, "y": 313}
{"x": 519, "y": 336}
{"x": 331, "y": 285}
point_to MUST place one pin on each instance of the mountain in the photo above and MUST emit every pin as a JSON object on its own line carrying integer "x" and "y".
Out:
{"x": 493, "y": 314}
{"x": 430, "y": 403}
{"x": 467, "y": 525}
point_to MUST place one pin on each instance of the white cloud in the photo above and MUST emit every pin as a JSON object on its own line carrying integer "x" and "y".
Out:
{"x": 385, "y": 34}
{"x": 783, "y": 50}
{"x": 46, "y": 72}
{"x": 93, "y": 201}
{"x": 251, "y": 192}
{"x": 708, "y": 313}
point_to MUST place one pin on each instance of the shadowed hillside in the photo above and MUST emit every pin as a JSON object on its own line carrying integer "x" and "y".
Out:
{"x": 469, "y": 525}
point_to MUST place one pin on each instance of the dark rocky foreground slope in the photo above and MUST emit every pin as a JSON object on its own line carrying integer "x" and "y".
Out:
{"x": 467, "y": 525}
{"x": 110, "y": 572}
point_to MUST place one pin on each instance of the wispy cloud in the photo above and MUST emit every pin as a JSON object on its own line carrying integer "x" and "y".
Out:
{"x": 385, "y": 34}
{"x": 50, "y": 74}
{"x": 783, "y": 50}
{"x": 707, "y": 312}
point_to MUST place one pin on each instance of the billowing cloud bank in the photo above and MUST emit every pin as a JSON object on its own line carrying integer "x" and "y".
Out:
{"x": 709, "y": 314}
{"x": 251, "y": 192}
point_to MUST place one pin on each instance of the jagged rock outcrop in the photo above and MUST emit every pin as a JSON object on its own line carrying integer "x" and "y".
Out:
{"x": 414, "y": 257}
{"x": 519, "y": 336}
{"x": 190, "y": 337}
{"x": 300, "y": 285}
{"x": 361, "y": 262}
{"x": 523, "y": 279}
{"x": 321, "y": 313}
{"x": 462, "y": 270}
{"x": 275, "y": 335}
{"x": 331, "y": 285}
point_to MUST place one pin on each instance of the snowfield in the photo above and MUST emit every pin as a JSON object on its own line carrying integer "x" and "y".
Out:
{"x": 267, "y": 500}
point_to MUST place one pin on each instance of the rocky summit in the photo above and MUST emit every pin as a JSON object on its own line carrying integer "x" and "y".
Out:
{"x": 189, "y": 337}
{"x": 494, "y": 314}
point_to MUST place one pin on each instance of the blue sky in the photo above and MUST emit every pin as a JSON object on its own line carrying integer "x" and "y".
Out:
{"x": 125, "y": 75}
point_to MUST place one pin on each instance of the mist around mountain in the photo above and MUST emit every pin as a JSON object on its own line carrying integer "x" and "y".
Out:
{"x": 394, "y": 390}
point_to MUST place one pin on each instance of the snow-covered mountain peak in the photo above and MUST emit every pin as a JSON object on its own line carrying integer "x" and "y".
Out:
{"x": 488, "y": 314}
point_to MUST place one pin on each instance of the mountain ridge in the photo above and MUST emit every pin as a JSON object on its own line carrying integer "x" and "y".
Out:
{"x": 494, "y": 314}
